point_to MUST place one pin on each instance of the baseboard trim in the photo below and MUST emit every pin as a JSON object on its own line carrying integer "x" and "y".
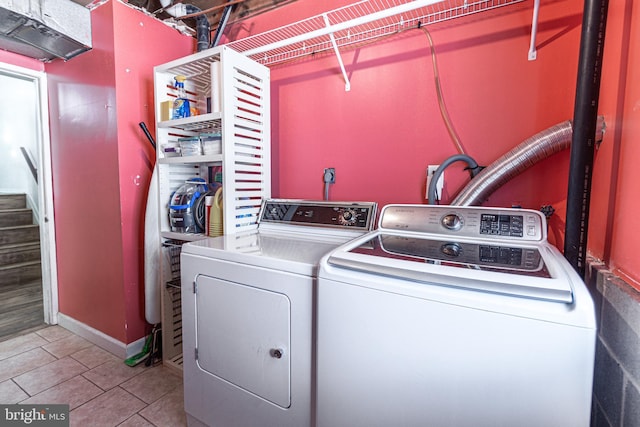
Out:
{"x": 101, "y": 339}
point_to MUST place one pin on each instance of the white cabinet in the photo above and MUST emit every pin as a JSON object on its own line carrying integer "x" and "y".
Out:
{"x": 237, "y": 90}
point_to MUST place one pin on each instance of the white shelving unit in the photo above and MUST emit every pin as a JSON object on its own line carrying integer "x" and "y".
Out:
{"x": 353, "y": 25}
{"x": 239, "y": 92}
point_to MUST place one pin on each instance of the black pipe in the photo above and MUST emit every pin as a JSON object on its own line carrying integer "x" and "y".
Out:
{"x": 226, "y": 12}
{"x": 584, "y": 130}
{"x": 203, "y": 28}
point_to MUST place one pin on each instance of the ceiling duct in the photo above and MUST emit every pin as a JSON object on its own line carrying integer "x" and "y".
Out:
{"x": 45, "y": 29}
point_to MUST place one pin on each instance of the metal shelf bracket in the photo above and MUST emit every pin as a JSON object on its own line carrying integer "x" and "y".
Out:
{"x": 347, "y": 84}
{"x": 533, "y": 54}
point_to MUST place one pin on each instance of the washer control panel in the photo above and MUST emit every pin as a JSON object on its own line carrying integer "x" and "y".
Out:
{"x": 502, "y": 225}
{"x": 354, "y": 215}
{"x": 498, "y": 223}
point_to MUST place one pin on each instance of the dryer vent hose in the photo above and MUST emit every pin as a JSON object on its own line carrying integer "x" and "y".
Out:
{"x": 513, "y": 163}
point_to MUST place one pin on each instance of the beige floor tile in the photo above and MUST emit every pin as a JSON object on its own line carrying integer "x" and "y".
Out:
{"x": 93, "y": 356}
{"x": 24, "y": 362}
{"x": 73, "y": 392}
{"x": 40, "y": 379}
{"x": 136, "y": 421}
{"x": 108, "y": 409}
{"x": 112, "y": 373}
{"x": 66, "y": 346}
{"x": 19, "y": 345}
{"x": 10, "y": 393}
{"x": 54, "y": 333}
{"x": 167, "y": 411}
{"x": 152, "y": 384}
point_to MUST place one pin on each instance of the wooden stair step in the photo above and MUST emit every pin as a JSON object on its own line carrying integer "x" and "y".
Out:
{"x": 22, "y": 309}
{"x": 22, "y": 319}
{"x": 13, "y": 217}
{"x": 19, "y": 252}
{"x": 20, "y": 273}
{"x": 19, "y": 234}
{"x": 20, "y": 295}
{"x": 13, "y": 201}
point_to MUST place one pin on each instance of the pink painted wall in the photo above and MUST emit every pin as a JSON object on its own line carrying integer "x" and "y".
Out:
{"x": 614, "y": 229}
{"x": 21, "y": 61}
{"x": 381, "y": 136}
{"x": 625, "y": 231}
{"x": 145, "y": 44}
{"x": 84, "y": 149}
{"x": 102, "y": 166}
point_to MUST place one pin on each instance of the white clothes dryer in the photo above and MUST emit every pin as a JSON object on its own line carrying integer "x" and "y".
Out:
{"x": 247, "y": 310}
{"x": 453, "y": 317}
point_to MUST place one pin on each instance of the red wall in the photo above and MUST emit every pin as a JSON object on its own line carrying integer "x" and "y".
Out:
{"x": 102, "y": 166}
{"x": 382, "y": 134}
{"x": 21, "y": 61}
{"x": 84, "y": 149}
{"x": 625, "y": 232}
{"x": 614, "y": 229}
{"x": 145, "y": 44}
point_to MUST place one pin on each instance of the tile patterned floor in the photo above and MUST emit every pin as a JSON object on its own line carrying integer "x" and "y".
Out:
{"x": 52, "y": 365}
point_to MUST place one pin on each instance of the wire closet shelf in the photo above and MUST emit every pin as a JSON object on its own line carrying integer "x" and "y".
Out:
{"x": 352, "y": 25}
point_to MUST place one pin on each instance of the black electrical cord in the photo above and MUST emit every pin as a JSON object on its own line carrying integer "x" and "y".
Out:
{"x": 200, "y": 212}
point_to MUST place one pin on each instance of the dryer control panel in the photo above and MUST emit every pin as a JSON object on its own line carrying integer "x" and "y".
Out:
{"x": 492, "y": 223}
{"x": 352, "y": 215}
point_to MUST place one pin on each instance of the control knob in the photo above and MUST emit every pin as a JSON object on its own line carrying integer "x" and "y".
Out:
{"x": 348, "y": 217}
{"x": 451, "y": 249}
{"x": 451, "y": 222}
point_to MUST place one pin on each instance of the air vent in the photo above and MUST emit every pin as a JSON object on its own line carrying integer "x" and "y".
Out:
{"x": 45, "y": 29}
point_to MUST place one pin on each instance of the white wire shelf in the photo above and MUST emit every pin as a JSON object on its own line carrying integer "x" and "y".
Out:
{"x": 203, "y": 122}
{"x": 186, "y": 160}
{"x": 352, "y": 25}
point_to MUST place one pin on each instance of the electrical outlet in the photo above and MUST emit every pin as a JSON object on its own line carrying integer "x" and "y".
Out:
{"x": 440, "y": 184}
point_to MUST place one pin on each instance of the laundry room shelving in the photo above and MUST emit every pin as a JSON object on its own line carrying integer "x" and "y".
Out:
{"x": 361, "y": 22}
{"x": 237, "y": 91}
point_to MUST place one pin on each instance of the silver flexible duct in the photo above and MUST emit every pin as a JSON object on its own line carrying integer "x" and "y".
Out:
{"x": 513, "y": 163}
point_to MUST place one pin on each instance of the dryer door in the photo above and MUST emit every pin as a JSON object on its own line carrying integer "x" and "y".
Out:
{"x": 243, "y": 336}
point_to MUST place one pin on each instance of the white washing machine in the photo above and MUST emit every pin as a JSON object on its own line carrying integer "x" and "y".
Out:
{"x": 247, "y": 312}
{"x": 452, "y": 316}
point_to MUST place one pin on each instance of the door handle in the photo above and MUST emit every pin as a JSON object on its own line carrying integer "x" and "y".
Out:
{"x": 276, "y": 353}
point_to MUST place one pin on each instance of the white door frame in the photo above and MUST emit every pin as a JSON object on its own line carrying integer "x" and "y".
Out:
{"x": 45, "y": 192}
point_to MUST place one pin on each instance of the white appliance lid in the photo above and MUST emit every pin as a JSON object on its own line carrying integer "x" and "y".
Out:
{"x": 279, "y": 251}
{"x": 498, "y": 250}
{"x": 548, "y": 282}
{"x": 478, "y": 255}
{"x": 292, "y": 235}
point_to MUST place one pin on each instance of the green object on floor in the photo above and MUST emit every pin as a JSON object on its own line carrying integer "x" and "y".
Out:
{"x": 143, "y": 355}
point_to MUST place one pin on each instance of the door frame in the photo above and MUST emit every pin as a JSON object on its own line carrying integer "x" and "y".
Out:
{"x": 45, "y": 191}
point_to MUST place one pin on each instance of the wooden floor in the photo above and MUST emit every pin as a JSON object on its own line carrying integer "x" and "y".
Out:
{"x": 21, "y": 309}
